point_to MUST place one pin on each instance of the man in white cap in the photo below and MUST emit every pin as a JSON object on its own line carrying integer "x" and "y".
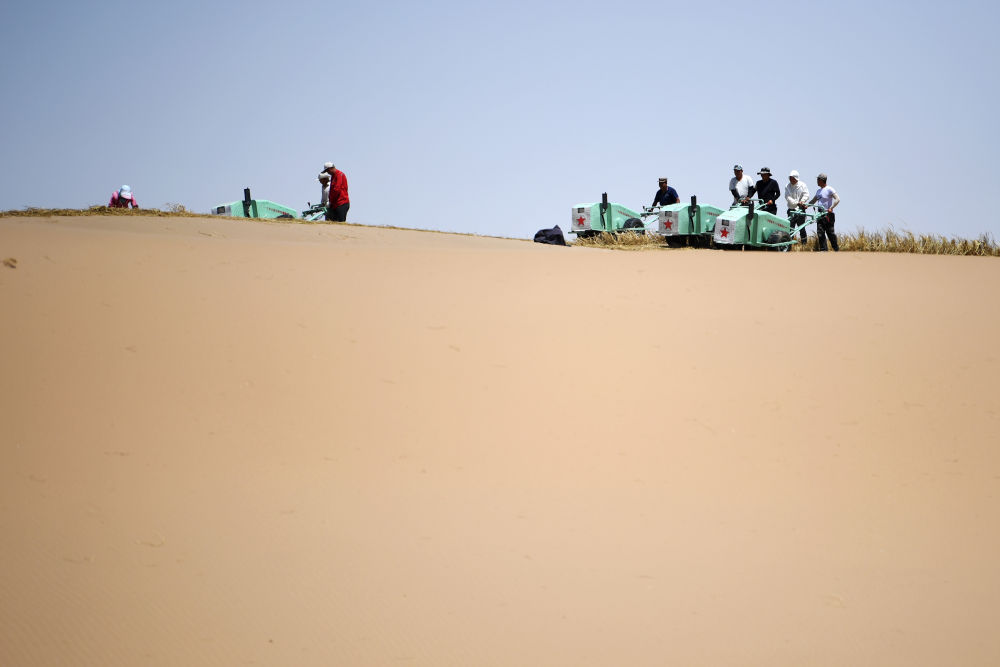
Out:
{"x": 740, "y": 185}
{"x": 339, "y": 202}
{"x": 324, "y": 181}
{"x": 122, "y": 198}
{"x": 796, "y": 198}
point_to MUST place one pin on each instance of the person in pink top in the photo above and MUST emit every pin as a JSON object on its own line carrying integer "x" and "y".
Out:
{"x": 122, "y": 198}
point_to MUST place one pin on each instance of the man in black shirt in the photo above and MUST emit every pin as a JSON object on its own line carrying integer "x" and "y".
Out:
{"x": 666, "y": 195}
{"x": 768, "y": 191}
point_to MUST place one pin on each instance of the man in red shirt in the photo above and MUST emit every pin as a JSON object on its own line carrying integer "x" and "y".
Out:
{"x": 339, "y": 201}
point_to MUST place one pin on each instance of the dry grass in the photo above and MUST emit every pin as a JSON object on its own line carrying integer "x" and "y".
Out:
{"x": 908, "y": 242}
{"x": 621, "y": 241}
{"x": 927, "y": 244}
{"x": 175, "y": 211}
{"x": 861, "y": 241}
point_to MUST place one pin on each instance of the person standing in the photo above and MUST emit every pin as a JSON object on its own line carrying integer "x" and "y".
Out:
{"x": 666, "y": 195}
{"x": 339, "y": 202}
{"x": 828, "y": 198}
{"x": 767, "y": 191}
{"x": 122, "y": 198}
{"x": 740, "y": 185}
{"x": 796, "y": 198}
{"x": 324, "y": 181}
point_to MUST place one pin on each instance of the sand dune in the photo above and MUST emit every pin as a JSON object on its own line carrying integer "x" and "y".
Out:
{"x": 228, "y": 442}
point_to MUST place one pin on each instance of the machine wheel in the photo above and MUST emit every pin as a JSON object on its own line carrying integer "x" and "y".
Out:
{"x": 633, "y": 225}
{"x": 675, "y": 241}
{"x": 700, "y": 241}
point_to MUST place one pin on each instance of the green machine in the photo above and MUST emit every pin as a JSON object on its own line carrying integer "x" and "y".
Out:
{"x": 254, "y": 208}
{"x": 684, "y": 224}
{"x": 604, "y": 216}
{"x": 744, "y": 227}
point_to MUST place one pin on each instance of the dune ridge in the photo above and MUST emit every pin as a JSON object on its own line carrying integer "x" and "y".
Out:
{"x": 231, "y": 442}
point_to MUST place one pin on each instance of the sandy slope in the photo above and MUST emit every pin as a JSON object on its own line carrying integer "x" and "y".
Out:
{"x": 228, "y": 442}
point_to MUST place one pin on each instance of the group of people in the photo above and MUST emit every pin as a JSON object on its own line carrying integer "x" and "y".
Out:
{"x": 797, "y": 199}
{"x": 743, "y": 188}
{"x": 332, "y": 180}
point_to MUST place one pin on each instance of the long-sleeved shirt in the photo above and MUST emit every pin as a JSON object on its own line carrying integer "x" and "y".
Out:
{"x": 795, "y": 194}
{"x": 118, "y": 201}
{"x": 768, "y": 190}
{"x": 338, "y": 189}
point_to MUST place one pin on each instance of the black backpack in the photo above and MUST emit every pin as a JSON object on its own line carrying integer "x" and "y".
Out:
{"x": 552, "y": 236}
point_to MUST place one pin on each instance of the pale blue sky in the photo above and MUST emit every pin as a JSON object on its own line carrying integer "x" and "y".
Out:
{"x": 497, "y": 117}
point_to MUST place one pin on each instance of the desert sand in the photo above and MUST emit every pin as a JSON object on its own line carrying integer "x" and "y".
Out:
{"x": 229, "y": 442}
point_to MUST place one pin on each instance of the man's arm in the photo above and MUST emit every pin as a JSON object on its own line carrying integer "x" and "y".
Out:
{"x": 772, "y": 192}
{"x": 836, "y": 200}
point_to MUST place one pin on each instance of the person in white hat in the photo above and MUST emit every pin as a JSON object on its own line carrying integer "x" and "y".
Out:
{"x": 122, "y": 198}
{"x": 796, "y": 197}
{"x": 324, "y": 180}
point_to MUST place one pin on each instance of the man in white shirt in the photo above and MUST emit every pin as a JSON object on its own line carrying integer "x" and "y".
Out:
{"x": 740, "y": 185}
{"x": 796, "y": 197}
{"x": 324, "y": 179}
{"x": 827, "y": 198}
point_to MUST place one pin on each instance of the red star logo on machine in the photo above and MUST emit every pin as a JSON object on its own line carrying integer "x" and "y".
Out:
{"x": 670, "y": 225}
{"x": 724, "y": 233}
{"x": 580, "y": 219}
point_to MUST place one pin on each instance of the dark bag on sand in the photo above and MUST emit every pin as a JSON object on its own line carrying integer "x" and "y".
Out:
{"x": 552, "y": 236}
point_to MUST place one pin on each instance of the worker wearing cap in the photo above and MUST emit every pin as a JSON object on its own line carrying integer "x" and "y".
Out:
{"x": 339, "y": 202}
{"x": 666, "y": 195}
{"x": 324, "y": 181}
{"x": 796, "y": 198}
{"x": 122, "y": 198}
{"x": 827, "y": 198}
{"x": 767, "y": 191}
{"x": 740, "y": 185}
